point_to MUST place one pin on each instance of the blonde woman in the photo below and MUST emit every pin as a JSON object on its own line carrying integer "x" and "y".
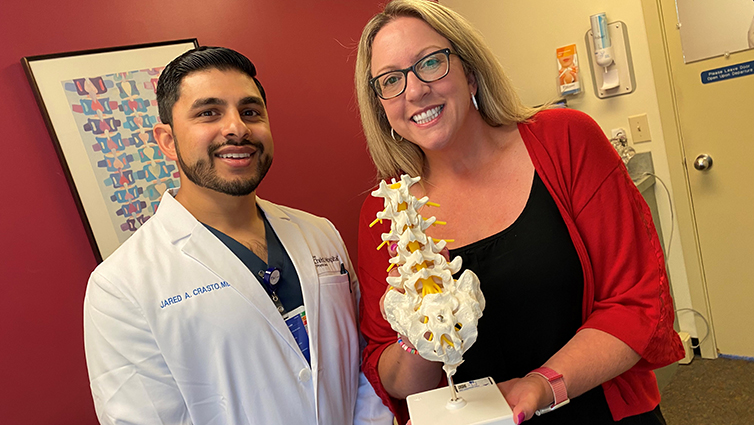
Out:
{"x": 538, "y": 204}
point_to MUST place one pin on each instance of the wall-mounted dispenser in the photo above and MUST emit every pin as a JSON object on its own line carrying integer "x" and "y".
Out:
{"x": 603, "y": 51}
{"x": 610, "y": 57}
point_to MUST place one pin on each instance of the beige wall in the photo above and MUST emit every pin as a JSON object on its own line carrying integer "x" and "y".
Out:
{"x": 525, "y": 33}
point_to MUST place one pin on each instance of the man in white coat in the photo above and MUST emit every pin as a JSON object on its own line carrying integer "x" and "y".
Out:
{"x": 225, "y": 308}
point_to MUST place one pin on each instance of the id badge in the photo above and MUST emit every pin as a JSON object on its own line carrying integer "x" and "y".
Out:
{"x": 296, "y": 321}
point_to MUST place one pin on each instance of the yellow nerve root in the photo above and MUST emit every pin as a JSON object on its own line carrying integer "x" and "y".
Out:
{"x": 429, "y": 287}
{"x": 446, "y": 340}
{"x": 432, "y": 204}
{"x": 376, "y": 220}
{"x": 443, "y": 338}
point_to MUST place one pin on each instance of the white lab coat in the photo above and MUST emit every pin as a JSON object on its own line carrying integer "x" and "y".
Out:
{"x": 178, "y": 330}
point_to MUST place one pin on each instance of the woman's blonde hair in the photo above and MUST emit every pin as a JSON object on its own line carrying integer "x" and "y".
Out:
{"x": 498, "y": 102}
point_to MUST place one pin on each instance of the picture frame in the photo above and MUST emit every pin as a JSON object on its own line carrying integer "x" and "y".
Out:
{"x": 100, "y": 107}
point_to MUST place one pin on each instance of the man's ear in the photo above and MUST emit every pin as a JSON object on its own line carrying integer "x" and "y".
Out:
{"x": 163, "y": 133}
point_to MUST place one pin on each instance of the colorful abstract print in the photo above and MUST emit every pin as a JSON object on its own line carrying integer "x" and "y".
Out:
{"x": 115, "y": 115}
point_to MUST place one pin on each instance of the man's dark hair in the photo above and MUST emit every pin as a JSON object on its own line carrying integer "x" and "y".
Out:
{"x": 199, "y": 59}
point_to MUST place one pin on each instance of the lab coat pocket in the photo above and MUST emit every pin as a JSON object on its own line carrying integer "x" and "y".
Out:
{"x": 335, "y": 279}
{"x": 336, "y": 287}
{"x": 336, "y": 291}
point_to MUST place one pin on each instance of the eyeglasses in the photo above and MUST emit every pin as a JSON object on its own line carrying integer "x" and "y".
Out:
{"x": 430, "y": 68}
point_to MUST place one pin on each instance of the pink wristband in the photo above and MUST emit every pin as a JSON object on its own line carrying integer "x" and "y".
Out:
{"x": 557, "y": 385}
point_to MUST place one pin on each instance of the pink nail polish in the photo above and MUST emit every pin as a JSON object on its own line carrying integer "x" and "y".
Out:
{"x": 521, "y": 417}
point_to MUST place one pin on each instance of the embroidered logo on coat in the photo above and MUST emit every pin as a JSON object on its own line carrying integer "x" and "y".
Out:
{"x": 327, "y": 264}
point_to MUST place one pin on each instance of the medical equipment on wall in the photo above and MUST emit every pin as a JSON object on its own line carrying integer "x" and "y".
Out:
{"x": 610, "y": 57}
{"x": 603, "y": 51}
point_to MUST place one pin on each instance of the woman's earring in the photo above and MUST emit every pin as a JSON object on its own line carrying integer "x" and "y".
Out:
{"x": 473, "y": 100}
{"x": 392, "y": 134}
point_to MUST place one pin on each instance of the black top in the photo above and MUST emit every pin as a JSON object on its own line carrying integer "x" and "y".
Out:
{"x": 533, "y": 284}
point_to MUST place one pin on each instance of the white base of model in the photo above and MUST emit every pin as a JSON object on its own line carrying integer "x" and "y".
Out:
{"x": 481, "y": 402}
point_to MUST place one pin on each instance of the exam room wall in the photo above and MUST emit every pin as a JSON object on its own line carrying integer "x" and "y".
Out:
{"x": 305, "y": 54}
{"x": 526, "y": 45}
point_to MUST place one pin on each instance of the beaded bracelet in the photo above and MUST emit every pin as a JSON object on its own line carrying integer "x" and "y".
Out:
{"x": 406, "y": 347}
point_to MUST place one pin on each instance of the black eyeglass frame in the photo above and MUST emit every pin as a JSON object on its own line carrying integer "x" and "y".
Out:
{"x": 411, "y": 68}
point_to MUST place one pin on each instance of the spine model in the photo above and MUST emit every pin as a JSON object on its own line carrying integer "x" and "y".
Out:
{"x": 437, "y": 313}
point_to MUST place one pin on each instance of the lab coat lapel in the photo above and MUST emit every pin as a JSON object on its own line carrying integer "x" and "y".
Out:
{"x": 297, "y": 247}
{"x": 208, "y": 250}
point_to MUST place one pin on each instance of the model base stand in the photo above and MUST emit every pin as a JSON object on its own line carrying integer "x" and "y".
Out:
{"x": 479, "y": 402}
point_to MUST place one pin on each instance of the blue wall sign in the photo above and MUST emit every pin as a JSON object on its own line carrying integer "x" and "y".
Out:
{"x": 728, "y": 72}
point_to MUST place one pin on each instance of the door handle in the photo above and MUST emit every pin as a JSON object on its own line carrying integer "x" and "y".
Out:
{"x": 703, "y": 162}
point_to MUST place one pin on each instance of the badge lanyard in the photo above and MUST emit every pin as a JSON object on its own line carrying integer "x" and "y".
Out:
{"x": 270, "y": 279}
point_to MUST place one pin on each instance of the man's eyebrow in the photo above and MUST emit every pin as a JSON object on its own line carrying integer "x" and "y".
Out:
{"x": 206, "y": 101}
{"x": 251, "y": 100}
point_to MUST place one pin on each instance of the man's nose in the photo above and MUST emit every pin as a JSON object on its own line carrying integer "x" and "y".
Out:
{"x": 234, "y": 127}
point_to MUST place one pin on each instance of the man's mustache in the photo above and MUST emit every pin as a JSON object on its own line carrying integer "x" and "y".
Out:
{"x": 246, "y": 142}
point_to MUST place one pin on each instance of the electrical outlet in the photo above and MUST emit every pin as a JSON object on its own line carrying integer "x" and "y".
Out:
{"x": 639, "y": 128}
{"x": 688, "y": 351}
{"x": 616, "y": 132}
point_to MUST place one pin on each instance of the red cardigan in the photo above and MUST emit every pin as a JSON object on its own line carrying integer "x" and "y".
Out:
{"x": 626, "y": 291}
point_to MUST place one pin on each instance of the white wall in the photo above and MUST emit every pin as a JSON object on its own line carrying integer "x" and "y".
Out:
{"x": 525, "y": 33}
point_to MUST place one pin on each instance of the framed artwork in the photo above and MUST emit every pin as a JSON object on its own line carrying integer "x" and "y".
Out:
{"x": 100, "y": 108}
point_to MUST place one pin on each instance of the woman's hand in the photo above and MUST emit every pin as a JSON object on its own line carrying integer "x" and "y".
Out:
{"x": 404, "y": 373}
{"x": 526, "y": 395}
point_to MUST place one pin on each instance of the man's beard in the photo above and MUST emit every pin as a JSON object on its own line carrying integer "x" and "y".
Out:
{"x": 203, "y": 173}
